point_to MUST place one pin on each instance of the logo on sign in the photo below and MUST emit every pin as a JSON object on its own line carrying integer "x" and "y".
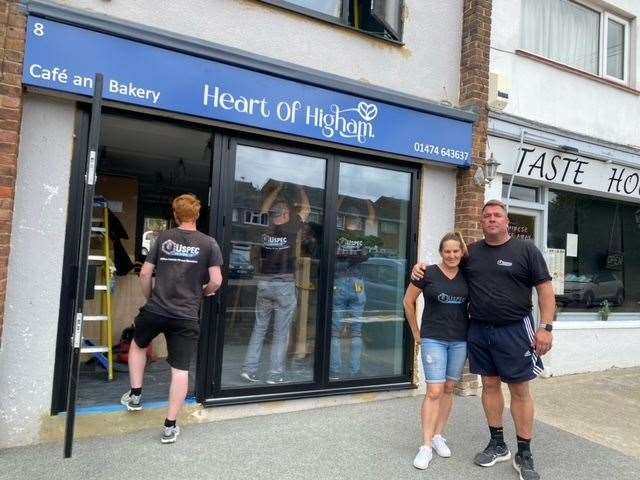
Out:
{"x": 347, "y": 122}
{"x": 351, "y": 123}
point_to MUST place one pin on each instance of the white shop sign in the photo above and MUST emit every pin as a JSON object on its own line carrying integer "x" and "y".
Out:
{"x": 562, "y": 168}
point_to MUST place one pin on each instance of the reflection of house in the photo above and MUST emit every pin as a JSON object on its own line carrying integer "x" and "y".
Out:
{"x": 357, "y": 215}
{"x": 249, "y": 221}
{"x": 391, "y": 217}
{"x": 381, "y": 220}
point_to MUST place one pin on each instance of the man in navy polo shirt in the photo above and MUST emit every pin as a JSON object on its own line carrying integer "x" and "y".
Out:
{"x": 504, "y": 344}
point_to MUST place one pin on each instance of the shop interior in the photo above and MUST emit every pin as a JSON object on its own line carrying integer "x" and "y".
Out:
{"x": 143, "y": 165}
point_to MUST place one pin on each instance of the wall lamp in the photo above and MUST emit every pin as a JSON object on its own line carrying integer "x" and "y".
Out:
{"x": 485, "y": 174}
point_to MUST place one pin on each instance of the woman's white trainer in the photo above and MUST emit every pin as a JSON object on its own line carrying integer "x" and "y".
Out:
{"x": 423, "y": 457}
{"x": 439, "y": 444}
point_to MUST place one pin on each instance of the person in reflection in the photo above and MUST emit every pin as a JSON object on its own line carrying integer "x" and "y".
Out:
{"x": 277, "y": 297}
{"x": 442, "y": 337}
{"x": 183, "y": 260}
{"x": 504, "y": 344}
{"x": 349, "y": 296}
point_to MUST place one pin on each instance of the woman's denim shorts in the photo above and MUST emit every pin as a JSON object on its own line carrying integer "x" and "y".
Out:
{"x": 443, "y": 360}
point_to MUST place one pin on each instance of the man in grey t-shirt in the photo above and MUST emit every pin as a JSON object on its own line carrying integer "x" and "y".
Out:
{"x": 184, "y": 260}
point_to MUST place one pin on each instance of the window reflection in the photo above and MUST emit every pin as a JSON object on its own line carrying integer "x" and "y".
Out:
{"x": 328, "y": 7}
{"x": 271, "y": 294}
{"x": 367, "y": 325}
{"x": 605, "y": 268}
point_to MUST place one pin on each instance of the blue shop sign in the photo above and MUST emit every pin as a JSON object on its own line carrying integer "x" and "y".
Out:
{"x": 66, "y": 58}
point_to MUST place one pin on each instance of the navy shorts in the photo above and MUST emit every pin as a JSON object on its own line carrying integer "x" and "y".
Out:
{"x": 504, "y": 351}
{"x": 181, "y": 334}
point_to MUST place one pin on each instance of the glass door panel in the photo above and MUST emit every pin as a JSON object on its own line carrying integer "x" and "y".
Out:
{"x": 525, "y": 225}
{"x": 367, "y": 319}
{"x": 271, "y": 297}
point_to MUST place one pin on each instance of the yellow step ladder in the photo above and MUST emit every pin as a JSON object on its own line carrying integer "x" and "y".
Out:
{"x": 103, "y": 353}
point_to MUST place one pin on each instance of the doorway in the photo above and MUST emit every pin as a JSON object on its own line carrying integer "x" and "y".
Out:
{"x": 143, "y": 164}
{"x": 526, "y": 224}
{"x": 328, "y": 315}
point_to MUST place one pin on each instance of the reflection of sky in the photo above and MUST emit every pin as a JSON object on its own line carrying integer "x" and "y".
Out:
{"x": 329, "y": 7}
{"x": 372, "y": 183}
{"x": 257, "y": 165}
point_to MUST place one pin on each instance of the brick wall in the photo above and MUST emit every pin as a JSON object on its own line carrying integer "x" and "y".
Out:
{"x": 474, "y": 92}
{"x": 12, "y": 35}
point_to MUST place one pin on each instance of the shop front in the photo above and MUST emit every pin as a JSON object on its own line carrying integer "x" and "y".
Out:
{"x": 256, "y": 141}
{"x": 578, "y": 199}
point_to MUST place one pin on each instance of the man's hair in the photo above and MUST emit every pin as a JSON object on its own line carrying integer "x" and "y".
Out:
{"x": 496, "y": 203}
{"x": 186, "y": 208}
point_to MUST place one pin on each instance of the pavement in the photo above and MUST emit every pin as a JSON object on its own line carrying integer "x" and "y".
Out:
{"x": 603, "y": 407}
{"x": 372, "y": 440}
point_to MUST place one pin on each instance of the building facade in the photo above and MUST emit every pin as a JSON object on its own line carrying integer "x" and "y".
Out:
{"x": 340, "y": 109}
{"x": 564, "y": 126}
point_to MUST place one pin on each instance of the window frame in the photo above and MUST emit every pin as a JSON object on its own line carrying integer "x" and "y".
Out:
{"x": 604, "y": 28}
{"x": 604, "y": 15}
{"x": 343, "y": 20}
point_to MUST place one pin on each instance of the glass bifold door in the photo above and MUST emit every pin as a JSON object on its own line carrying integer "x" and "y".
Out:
{"x": 316, "y": 251}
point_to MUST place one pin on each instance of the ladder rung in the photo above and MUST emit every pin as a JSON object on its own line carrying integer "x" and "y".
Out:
{"x": 97, "y": 220}
{"x": 98, "y": 229}
{"x": 102, "y": 288}
{"x": 97, "y": 258}
{"x": 94, "y": 349}
{"x": 95, "y": 318}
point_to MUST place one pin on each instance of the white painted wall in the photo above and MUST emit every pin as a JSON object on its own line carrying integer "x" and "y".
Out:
{"x": 595, "y": 347}
{"x": 437, "y": 209}
{"x": 27, "y": 352}
{"x": 562, "y": 99}
{"x": 418, "y": 68}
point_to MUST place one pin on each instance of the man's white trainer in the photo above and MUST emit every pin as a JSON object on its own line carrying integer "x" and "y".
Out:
{"x": 439, "y": 444}
{"x": 423, "y": 457}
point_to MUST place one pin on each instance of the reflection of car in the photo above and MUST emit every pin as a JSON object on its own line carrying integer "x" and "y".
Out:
{"x": 384, "y": 283}
{"x": 592, "y": 288}
{"x": 148, "y": 238}
{"x": 240, "y": 264}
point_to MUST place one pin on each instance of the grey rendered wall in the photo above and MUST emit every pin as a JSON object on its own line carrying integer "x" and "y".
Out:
{"x": 28, "y": 346}
{"x": 425, "y": 66}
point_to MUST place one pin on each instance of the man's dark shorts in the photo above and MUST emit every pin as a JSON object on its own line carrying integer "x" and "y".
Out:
{"x": 504, "y": 351}
{"x": 181, "y": 335}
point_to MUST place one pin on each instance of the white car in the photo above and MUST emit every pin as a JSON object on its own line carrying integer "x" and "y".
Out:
{"x": 148, "y": 238}
{"x": 592, "y": 288}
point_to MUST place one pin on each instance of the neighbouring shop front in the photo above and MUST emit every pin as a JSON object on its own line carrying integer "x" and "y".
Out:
{"x": 578, "y": 199}
{"x": 252, "y": 139}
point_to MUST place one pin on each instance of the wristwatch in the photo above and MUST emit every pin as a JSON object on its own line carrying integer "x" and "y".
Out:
{"x": 547, "y": 326}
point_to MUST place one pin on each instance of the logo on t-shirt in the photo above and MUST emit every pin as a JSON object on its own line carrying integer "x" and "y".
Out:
{"x": 274, "y": 243}
{"x": 174, "y": 249}
{"x": 445, "y": 298}
{"x": 504, "y": 263}
{"x": 349, "y": 247}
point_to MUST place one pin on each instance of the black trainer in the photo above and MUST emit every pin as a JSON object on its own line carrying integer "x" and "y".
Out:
{"x": 523, "y": 463}
{"x": 493, "y": 454}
